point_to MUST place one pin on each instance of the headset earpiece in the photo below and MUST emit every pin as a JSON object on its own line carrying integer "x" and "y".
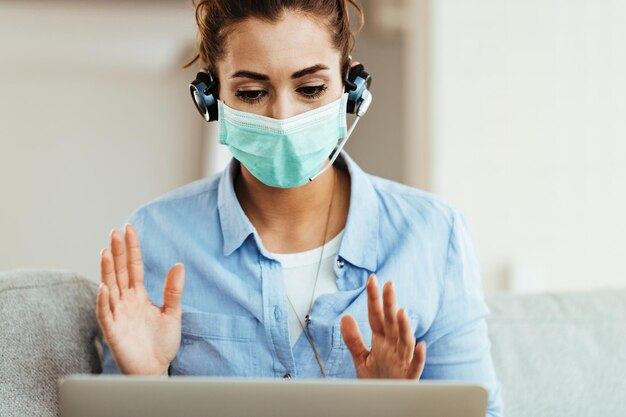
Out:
{"x": 357, "y": 84}
{"x": 204, "y": 92}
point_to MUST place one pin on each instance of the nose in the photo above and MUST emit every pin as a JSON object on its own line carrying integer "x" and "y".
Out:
{"x": 282, "y": 107}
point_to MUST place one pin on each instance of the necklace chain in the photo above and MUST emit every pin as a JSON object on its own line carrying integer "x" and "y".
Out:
{"x": 307, "y": 318}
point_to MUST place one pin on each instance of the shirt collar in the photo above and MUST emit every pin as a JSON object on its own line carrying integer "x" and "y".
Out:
{"x": 236, "y": 226}
{"x": 360, "y": 239}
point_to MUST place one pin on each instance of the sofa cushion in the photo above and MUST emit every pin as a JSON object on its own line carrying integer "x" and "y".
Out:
{"x": 560, "y": 354}
{"x": 47, "y": 329}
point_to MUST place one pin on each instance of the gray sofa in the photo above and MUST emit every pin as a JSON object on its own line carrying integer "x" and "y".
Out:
{"x": 561, "y": 354}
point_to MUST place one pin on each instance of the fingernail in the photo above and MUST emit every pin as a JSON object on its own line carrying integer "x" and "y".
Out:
{"x": 374, "y": 280}
{"x": 102, "y": 251}
{"x": 111, "y": 233}
{"x": 100, "y": 286}
{"x": 180, "y": 263}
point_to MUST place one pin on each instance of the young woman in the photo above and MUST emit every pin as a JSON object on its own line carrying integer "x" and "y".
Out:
{"x": 275, "y": 274}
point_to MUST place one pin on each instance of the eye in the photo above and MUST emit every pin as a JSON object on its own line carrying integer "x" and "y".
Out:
{"x": 251, "y": 96}
{"x": 312, "y": 91}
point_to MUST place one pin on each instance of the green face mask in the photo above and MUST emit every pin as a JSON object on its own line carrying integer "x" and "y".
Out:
{"x": 283, "y": 153}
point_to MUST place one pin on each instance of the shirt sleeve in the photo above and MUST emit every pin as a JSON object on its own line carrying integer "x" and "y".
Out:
{"x": 457, "y": 343}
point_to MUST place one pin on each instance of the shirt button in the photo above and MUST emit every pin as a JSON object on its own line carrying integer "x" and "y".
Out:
{"x": 277, "y": 313}
{"x": 287, "y": 376}
{"x": 339, "y": 263}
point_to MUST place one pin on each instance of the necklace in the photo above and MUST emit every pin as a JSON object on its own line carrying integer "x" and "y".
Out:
{"x": 308, "y": 318}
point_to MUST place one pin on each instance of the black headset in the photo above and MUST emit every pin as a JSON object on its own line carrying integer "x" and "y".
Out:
{"x": 204, "y": 92}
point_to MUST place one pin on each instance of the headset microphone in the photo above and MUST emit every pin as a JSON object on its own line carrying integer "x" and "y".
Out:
{"x": 357, "y": 84}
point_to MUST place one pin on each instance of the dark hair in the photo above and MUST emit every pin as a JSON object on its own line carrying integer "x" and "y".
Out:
{"x": 215, "y": 17}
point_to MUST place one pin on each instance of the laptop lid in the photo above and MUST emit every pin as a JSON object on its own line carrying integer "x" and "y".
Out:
{"x": 194, "y": 396}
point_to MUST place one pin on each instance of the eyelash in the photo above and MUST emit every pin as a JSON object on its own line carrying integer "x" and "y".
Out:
{"x": 318, "y": 90}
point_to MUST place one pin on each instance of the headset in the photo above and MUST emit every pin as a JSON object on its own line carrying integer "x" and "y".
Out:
{"x": 204, "y": 92}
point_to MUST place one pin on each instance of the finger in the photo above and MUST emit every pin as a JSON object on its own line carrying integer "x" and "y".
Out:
{"x": 353, "y": 339}
{"x": 118, "y": 247}
{"x": 135, "y": 263}
{"x": 406, "y": 343}
{"x": 173, "y": 291}
{"x": 390, "y": 311}
{"x": 103, "y": 311}
{"x": 107, "y": 273}
{"x": 374, "y": 308}
{"x": 418, "y": 362}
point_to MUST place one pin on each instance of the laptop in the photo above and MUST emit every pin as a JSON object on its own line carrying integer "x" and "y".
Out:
{"x": 88, "y": 395}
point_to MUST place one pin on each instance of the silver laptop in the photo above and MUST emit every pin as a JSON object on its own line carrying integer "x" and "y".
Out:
{"x": 192, "y": 396}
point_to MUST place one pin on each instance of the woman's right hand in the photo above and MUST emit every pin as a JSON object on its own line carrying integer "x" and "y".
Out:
{"x": 142, "y": 337}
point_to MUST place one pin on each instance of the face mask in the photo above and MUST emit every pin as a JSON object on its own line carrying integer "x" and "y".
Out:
{"x": 283, "y": 153}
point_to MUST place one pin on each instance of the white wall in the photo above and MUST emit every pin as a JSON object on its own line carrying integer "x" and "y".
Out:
{"x": 96, "y": 119}
{"x": 528, "y": 136}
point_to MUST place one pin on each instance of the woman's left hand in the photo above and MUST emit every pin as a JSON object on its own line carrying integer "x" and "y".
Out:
{"x": 394, "y": 353}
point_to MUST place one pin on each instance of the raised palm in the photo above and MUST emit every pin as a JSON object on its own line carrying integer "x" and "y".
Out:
{"x": 394, "y": 353}
{"x": 142, "y": 337}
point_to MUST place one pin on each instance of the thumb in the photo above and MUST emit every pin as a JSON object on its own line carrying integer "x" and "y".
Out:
{"x": 173, "y": 290}
{"x": 419, "y": 361}
{"x": 353, "y": 340}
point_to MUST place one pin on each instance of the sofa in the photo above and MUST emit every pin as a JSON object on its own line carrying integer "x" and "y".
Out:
{"x": 556, "y": 354}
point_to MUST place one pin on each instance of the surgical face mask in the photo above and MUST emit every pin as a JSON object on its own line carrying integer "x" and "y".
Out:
{"x": 283, "y": 153}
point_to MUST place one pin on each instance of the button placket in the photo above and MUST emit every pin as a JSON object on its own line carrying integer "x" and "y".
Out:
{"x": 276, "y": 318}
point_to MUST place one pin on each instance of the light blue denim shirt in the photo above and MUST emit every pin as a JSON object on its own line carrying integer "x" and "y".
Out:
{"x": 235, "y": 313}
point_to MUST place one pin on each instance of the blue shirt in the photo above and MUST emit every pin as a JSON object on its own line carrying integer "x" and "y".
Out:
{"x": 235, "y": 312}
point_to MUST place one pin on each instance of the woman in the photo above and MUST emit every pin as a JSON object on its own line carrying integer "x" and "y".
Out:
{"x": 281, "y": 274}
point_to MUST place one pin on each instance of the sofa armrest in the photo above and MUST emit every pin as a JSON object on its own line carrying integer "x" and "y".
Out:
{"x": 47, "y": 330}
{"x": 560, "y": 354}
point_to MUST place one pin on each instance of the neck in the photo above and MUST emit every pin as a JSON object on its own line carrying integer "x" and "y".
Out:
{"x": 294, "y": 219}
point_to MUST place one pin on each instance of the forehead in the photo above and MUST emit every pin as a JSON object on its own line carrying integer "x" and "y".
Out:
{"x": 278, "y": 48}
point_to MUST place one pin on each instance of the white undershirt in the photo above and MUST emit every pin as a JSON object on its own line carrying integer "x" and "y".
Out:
{"x": 299, "y": 270}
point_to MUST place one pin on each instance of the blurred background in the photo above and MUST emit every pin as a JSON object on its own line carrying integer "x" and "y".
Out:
{"x": 512, "y": 111}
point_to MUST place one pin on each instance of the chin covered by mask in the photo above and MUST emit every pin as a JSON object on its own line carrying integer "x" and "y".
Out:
{"x": 283, "y": 153}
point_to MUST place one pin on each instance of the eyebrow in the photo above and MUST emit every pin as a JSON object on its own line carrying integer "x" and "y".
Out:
{"x": 262, "y": 77}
